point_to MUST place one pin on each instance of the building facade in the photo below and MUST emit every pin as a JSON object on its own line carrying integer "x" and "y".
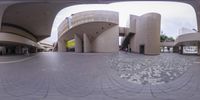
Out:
{"x": 143, "y": 34}
{"x": 188, "y": 43}
{"x": 90, "y": 31}
{"x": 98, "y": 31}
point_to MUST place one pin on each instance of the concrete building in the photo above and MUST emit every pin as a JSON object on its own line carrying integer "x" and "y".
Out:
{"x": 90, "y": 31}
{"x": 167, "y": 46}
{"x": 98, "y": 31}
{"x": 188, "y": 43}
{"x": 21, "y": 14}
{"x": 143, "y": 34}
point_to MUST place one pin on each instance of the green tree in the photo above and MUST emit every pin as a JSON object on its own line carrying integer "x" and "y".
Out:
{"x": 166, "y": 38}
{"x": 163, "y": 38}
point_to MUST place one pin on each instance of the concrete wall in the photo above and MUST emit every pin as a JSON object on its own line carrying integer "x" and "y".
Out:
{"x": 147, "y": 33}
{"x": 86, "y": 43}
{"x": 78, "y": 44}
{"x": 107, "y": 41}
{"x": 132, "y": 23}
{"x": 94, "y": 16}
{"x": 132, "y": 29}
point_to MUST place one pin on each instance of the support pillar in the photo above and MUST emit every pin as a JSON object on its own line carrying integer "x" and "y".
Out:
{"x": 181, "y": 49}
{"x": 163, "y": 49}
{"x": 86, "y": 44}
{"x": 35, "y": 50}
{"x": 61, "y": 45}
{"x": 78, "y": 44}
{"x": 198, "y": 47}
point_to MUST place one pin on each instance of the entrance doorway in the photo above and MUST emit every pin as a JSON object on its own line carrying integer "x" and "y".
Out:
{"x": 142, "y": 49}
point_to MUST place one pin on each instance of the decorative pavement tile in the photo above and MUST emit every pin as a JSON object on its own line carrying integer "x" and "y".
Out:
{"x": 143, "y": 69}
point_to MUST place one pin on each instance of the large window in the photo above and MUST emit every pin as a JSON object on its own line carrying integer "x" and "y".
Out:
{"x": 190, "y": 49}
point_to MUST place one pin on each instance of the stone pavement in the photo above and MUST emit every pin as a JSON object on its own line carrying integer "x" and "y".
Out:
{"x": 101, "y": 76}
{"x": 153, "y": 70}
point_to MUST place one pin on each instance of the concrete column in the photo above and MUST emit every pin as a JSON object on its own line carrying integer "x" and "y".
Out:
{"x": 175, "y": 49}
{"x": 163, "y": 49}
{"x": 1, "y": 50}
{"x": 86, "y": 43}
{"x": 181, "y": 49}
{"x": 132, "y": 43}
{"x": 129, "y": 47}
{"x": 61, "y": 45}
{"x": 35, "y": 51}
{"x": 78, "y": 44}
{"x": 18, "y": 50}
{"x": 198, "y": 48}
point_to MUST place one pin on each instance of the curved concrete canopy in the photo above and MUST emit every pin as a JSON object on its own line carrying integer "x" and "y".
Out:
{"x": 90, "y": 29}
{"x": 15, "y": 39}
{"x": 90, "y": 22}
{"x": 190, "y": 37}
{"x": 37, "y": 16}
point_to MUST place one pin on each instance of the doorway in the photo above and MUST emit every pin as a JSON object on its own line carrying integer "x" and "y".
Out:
{"x": 142, "y": 49}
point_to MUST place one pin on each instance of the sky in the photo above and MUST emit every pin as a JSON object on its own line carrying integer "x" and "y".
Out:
{"x": 174, "y": 15}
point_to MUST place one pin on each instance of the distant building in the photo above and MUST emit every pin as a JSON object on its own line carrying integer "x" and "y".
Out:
{"x": 188, "y": 43}
{"x": 46, "y": 46}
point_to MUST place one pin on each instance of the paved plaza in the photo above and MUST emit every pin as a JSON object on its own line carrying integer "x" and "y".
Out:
{"x": 152, "y": 70}
{"x": 100, "y": 76}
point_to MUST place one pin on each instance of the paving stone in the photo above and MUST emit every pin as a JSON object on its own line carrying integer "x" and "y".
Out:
{"x": 100, "y": 76}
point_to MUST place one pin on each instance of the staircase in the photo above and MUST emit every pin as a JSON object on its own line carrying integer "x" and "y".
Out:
{"x": 126, "y": 41}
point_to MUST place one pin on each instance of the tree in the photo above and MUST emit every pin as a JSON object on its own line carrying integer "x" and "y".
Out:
{"x": 163, "y": 38}
{"x": 166, "y": 38}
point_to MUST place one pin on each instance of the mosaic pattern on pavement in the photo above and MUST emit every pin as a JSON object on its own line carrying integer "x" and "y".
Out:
{"x": 144, "y": 69}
